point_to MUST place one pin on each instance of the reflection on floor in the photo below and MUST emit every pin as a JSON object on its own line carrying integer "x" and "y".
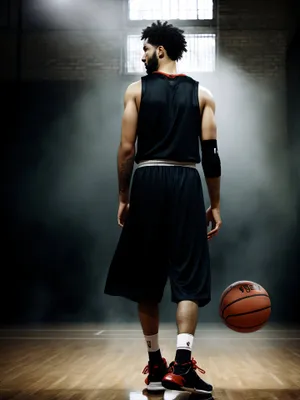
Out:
{"x": 104, "y": 362}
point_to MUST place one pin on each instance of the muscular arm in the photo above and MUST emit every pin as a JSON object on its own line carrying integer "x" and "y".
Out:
{"x": 209, "y": 132}
{"x": 126, "y": 151}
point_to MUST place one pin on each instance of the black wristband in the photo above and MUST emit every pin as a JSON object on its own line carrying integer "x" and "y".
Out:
{"x": 211, "y": 162}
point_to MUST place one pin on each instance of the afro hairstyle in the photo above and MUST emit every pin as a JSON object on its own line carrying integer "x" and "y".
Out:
{"x": 168, "y": 36}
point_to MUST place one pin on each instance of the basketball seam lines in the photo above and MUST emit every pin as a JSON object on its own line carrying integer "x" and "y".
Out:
{"x": 245, "y": 297}
{"x": 248, "y": 312}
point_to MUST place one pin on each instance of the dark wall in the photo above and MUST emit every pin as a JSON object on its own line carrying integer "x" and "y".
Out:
{"x": 59, "y": 45}
{"x": 293, "y": 123}
{"x": 62, "y": 99}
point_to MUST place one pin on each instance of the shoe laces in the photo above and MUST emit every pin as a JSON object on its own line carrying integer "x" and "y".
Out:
{"x": 193, "y": 362}
{"x": 149, "y": 370}
{"x": 196, "y": 367}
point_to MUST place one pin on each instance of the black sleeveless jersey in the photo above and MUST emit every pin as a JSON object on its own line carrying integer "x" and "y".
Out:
{"x": 169, "y": 122}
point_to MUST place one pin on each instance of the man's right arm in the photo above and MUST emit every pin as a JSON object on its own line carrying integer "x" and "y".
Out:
{"x": 210, "y": 158}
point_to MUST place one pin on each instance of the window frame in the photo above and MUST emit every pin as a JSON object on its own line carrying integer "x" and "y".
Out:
{"x": 177, "y": 22}
{"x": 193, "y": 26}
{"x": 126, "y": 72}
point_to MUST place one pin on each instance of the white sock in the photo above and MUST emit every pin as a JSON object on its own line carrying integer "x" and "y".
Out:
{"x": 185, "y": 341}
{"x": 152, "y": 343}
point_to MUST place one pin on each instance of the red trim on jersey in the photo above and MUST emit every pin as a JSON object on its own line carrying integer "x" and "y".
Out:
{"x": 168, "y": 75}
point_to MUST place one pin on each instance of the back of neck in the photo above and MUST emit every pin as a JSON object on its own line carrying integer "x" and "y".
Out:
{"x": 168, "y": 73}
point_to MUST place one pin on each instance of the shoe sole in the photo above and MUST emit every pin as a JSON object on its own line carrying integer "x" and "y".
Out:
{"x": 155, "y": 387}
{"x": 173, "y": 386}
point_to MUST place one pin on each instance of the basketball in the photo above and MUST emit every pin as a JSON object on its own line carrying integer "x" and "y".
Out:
{"x": 245, "y": 306}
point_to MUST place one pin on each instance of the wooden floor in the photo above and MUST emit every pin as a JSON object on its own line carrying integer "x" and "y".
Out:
{"x": 105, "y": 362}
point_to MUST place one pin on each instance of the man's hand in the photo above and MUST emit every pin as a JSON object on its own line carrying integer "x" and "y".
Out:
{"x": 213, "y": 217}
{"x": 122, "y": 213}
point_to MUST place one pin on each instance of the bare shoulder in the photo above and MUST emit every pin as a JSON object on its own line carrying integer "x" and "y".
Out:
{"x": 134, "y": 93}
{"x": 134, "y": 89}
{"x": 206, "y": 98}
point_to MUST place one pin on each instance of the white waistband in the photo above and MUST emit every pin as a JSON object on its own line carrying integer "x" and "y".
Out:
{"x": 166, "y": 163}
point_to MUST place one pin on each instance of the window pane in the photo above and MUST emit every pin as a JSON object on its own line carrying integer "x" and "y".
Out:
{"x": 170, "y": 9}
{"x": 200, "y": 57}
{"x": 201, "y": 54}
{"x": 134, "y": 54}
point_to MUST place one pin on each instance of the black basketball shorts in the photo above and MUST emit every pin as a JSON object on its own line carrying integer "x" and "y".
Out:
{"x": 164, "y": 236}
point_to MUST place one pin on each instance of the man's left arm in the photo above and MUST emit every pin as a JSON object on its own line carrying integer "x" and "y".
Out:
{"x": 126, "y": 151}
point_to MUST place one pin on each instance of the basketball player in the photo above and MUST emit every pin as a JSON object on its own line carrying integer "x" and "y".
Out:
{"x": 164, "y": 222}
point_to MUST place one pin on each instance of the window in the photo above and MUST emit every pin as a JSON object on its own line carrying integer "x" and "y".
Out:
{"x": 200, "y": 56}
{"x": 170, "y": 9}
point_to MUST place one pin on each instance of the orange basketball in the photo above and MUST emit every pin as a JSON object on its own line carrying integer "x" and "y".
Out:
{"x": 245, "y": 306}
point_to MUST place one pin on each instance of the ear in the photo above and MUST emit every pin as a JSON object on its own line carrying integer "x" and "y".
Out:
{"x": 161, "y": 52}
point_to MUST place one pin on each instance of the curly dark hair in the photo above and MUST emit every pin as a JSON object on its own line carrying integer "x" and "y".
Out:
{"x": 168, "y": 36}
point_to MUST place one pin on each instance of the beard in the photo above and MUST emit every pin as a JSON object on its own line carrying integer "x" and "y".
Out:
{"x": 152, "y": 65}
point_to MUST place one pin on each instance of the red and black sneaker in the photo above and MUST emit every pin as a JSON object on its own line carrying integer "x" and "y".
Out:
{"x": 183, "y": 377}
{"x": 155, "y": 372}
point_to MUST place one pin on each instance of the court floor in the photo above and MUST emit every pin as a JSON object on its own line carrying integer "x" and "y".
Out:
{"x": 105, "y": 362}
